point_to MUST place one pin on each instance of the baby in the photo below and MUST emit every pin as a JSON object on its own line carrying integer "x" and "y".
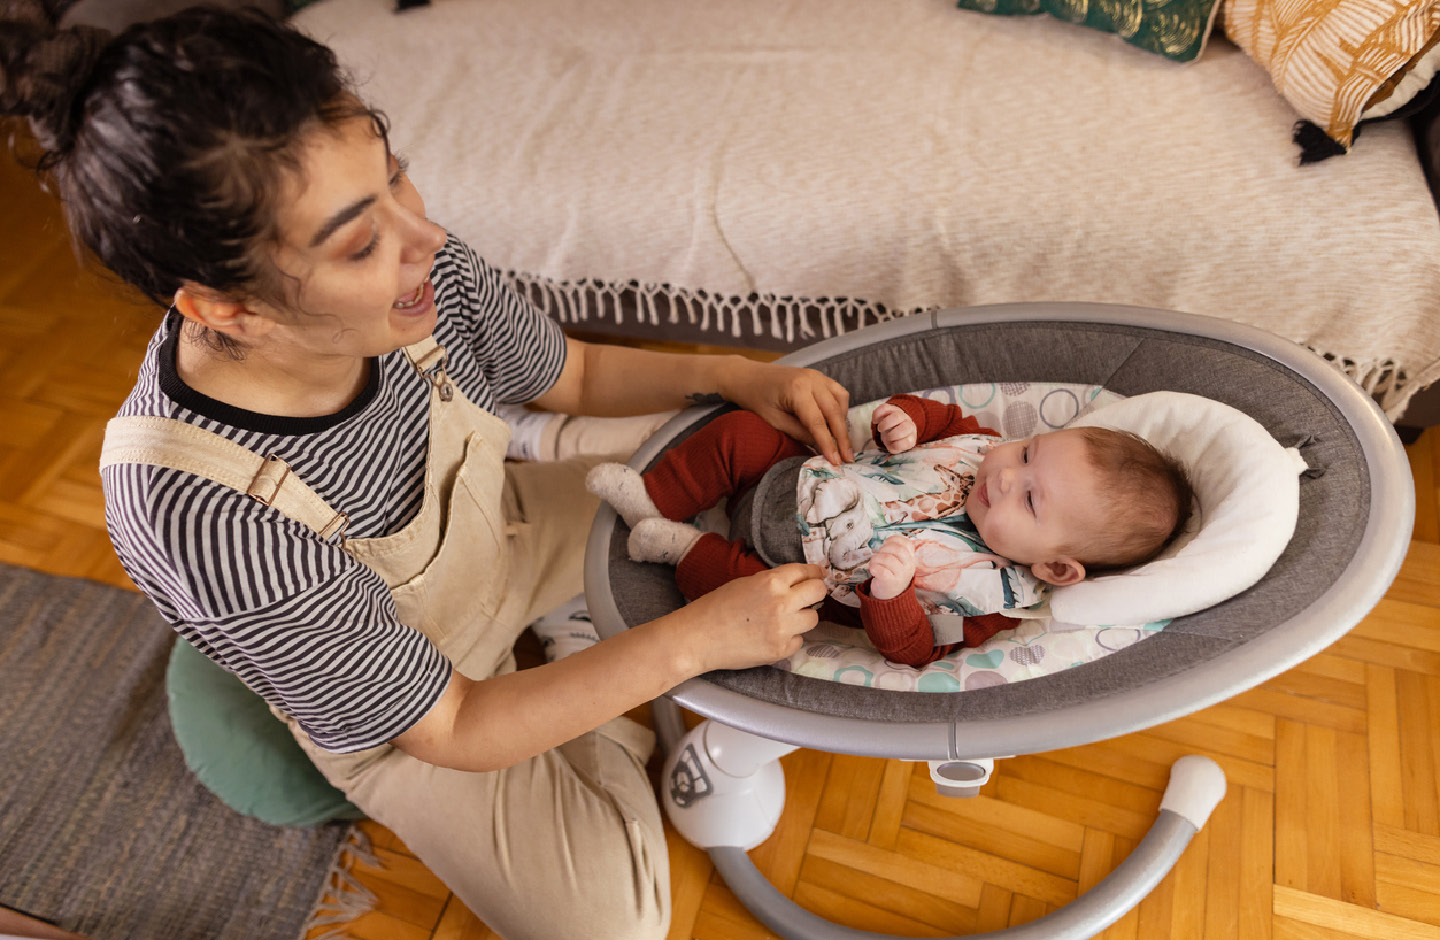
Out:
{"x": 932, "y": 535}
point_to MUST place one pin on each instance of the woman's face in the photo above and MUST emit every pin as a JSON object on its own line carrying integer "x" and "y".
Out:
{"x": 355, "y": 249}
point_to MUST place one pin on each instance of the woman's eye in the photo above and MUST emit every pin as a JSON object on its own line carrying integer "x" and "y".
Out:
{"x": 401, "y": 165}
{"x": 368, "y": 250}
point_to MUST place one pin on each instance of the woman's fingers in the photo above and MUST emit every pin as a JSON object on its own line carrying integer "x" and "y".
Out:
{"x": 822, "y": 410}
{"x": 803, "y": 403}
{"x": 760, "y": 619}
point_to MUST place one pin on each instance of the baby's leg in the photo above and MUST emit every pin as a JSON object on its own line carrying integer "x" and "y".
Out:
{"x": 703, "y": 561}
{"x": 727, "y": 456}
{"x": 712, "y": 561}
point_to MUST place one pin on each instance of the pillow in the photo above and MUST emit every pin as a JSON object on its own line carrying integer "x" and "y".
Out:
{"x": 240, "y": 751}
{"x": 1247, "y": 493}
{"x": 1410, "y": 89}
{"x": 1176, "y": 30}
{"x": 1331, "y": 59}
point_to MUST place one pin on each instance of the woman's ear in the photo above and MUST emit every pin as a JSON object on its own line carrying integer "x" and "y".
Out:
{"x": 215, "y": 311}
{"x": 1060, "y": 572}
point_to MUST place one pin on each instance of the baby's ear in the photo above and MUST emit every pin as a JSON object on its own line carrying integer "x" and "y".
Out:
{"x": 1060, "y": 572}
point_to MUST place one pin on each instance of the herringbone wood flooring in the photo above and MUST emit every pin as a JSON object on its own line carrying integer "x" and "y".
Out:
{"x": 1330, "y": 829}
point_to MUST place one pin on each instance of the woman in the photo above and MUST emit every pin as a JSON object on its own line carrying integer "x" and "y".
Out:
{"x": 308, "y": 482}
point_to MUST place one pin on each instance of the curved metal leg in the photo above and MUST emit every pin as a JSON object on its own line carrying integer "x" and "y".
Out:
{"x": 1196, "y": 786}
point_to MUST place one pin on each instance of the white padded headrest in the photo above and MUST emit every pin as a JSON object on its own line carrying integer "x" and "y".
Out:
{"x": 1247, "y": 491}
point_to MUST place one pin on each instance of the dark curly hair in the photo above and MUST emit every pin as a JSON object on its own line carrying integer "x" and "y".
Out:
{"x": 167, "y": 143}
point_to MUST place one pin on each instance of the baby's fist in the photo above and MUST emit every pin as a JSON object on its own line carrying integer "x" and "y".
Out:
{"x": 897, "y": 429}
{"x": 892, "y": 568}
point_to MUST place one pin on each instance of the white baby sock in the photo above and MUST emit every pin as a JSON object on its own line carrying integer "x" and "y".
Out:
{"x": 661, "y": 540}
{"x": 623, "y": 489}
{"x": 566, "y": 629}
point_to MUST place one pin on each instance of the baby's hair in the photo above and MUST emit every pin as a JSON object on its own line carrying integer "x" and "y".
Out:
{"x": 1148, "y": 499}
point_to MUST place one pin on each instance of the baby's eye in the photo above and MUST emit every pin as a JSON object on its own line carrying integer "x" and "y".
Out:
{"x": 1025, "y": 454}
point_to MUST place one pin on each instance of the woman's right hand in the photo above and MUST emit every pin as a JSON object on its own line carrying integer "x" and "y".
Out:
{"x": 755, "y": 620}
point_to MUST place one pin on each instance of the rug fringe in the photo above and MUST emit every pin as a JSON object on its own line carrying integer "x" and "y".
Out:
{"x": 342, "y": 897}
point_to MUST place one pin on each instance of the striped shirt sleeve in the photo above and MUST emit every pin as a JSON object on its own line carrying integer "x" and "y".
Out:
{"x": 513, "y": 352}
{"x": 304, "y": 625}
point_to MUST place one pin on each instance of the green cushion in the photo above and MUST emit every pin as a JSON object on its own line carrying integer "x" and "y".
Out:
{"x": 1176, "y": 29}
{"x": 240, "y": 751}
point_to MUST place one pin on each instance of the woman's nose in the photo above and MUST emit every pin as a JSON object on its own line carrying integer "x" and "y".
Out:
{"x": 427, "y": 238}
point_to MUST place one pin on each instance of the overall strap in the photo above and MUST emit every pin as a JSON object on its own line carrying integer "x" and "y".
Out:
{"x": 166, "y": 442}
{"x": 431, "y": 360}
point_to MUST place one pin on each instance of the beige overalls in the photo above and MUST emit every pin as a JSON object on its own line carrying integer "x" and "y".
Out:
{"x": 568, "y": 844}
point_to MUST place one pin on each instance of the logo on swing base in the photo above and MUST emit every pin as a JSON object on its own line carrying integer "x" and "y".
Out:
{"x": 688, "y": 781}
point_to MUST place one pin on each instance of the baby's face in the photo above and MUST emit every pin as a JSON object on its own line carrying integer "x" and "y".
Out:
{"x": 1037, "y": 498}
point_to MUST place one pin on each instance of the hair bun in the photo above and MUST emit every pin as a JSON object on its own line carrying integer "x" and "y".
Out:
{"x": 42, "y": 72}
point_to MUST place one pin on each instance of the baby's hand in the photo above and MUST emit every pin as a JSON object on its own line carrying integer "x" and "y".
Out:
{"x": 892, "y": 568}
{"x": 897, "y": 429}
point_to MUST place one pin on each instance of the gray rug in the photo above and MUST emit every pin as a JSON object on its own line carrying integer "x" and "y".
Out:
{"x": 103, "y": 830}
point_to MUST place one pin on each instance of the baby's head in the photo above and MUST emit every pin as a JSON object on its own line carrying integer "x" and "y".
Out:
{"x": 1077, "y": 501}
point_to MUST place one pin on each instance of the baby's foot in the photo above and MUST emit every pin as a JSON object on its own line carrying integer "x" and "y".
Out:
{"x": 661, "y": 540}
{"x": 624, "y": 489}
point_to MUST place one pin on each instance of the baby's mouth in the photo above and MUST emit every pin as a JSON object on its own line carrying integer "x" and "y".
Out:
{"x": 983, "y": 494}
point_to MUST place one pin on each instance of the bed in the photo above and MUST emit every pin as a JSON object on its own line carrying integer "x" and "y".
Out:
{"x": 771, "y": 174}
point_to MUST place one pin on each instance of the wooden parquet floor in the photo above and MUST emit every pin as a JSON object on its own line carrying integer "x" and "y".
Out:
{"x": 1330, "y": 829}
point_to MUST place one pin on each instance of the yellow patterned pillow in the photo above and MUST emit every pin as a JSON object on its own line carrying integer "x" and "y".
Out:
{"x": 1329, "y": 57}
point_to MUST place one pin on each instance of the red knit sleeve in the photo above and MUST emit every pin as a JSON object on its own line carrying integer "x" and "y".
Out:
{"x": 899, "y": 628}
{"x": 934, "y": 419}
{"x": 982, "y": 627}
{"x": 902, "y": 633}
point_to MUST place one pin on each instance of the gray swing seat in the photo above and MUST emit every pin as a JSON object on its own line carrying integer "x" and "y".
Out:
{"x": 1356, "y": 510}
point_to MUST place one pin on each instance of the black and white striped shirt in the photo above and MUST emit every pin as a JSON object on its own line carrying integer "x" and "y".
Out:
{"x": 299, "y": 621}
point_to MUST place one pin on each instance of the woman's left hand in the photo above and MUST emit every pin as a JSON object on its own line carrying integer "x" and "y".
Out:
{"x": 802, "y": 403}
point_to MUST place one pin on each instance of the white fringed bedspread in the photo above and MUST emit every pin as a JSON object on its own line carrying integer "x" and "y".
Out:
{"x": 838, "y": 161}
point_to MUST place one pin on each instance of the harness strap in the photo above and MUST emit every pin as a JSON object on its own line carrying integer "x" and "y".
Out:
{"x": 176, "y": 445}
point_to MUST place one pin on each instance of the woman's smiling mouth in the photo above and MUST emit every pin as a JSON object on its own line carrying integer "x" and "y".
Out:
{"x": 417, "y": 298}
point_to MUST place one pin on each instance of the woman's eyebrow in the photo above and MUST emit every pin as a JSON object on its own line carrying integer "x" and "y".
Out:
{"x": 340, "y": 218}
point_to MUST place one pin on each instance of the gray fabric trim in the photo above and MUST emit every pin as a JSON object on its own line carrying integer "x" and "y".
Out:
{"x": 1335, "y": 497}
{"x": 771, "y": 524}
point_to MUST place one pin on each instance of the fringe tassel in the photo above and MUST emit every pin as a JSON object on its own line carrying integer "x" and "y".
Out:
{"x": 342, "y": 897}
{"x": 1384, "y": 380}
{"x": 792, "y": 320}
{"x": 1315, "y": 144}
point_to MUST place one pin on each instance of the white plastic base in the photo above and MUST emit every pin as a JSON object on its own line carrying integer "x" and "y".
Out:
{"x": 723, "y": 787}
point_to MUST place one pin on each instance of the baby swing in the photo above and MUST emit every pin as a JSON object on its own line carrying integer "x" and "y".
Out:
{"x": 1320, "y": 570}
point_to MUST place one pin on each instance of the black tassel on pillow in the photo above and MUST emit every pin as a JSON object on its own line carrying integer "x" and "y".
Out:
{"x": 1315, "y": 144}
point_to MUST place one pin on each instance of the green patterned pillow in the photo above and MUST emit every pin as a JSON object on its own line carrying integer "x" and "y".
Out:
{"x": 1175, "y": 29}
